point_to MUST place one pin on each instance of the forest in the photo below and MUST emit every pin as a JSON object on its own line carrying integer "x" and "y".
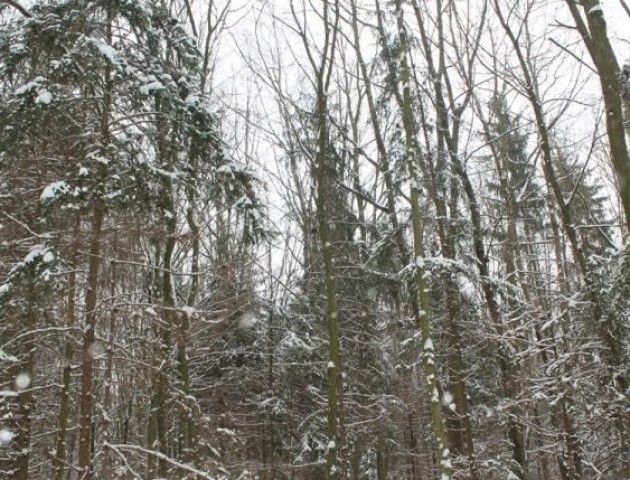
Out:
{"x": 314, "y": 240}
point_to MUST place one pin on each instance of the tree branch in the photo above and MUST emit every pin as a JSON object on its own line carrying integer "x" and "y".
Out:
{"x": 18, "y": 7}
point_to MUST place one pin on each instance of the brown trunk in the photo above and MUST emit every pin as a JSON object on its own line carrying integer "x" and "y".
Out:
{"x": 106, "y": 473}
{"x": 61, "y": 449}
{"x": 87, "y": 355}
{"x": 595, "y": 38}
{"x": 25, "y": 406}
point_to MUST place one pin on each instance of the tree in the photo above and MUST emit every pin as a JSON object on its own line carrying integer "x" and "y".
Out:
{"x": 111, "y": 93}
{"x": 594, "y": 35}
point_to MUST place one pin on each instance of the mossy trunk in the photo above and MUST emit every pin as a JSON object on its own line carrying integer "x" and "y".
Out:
{"x": 423, "y": 315}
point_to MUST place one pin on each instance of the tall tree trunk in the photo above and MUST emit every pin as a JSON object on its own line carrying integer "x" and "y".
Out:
{"x": 106, "y": 465}
{"x": 440, "y": 441}
{"x": 61, "y": 449}
{"x": 595, "y": 37}
{"x": 530, "y": 86}
{"x": 323, "y": 169}
{"x": 161, "y": 383}
{"x": 87, "y": 355}
{"x": 24, "y": 375}
{"x": 86, "y": 420}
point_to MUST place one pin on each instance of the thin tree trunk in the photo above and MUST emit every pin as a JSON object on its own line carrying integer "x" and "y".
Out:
{"x": 323, "y": 169}
{"x": 440, "y": 441}
{"x": 87, "y": 375}
{"x": 106, "y": 465}
{"x": 169, "y": 304}
{"x": 382, "y": 458}
{"x": 187, "y": 426}
{"x": 60, "y": 460}
{"x": 86, "y": 418}
{"x": 325, "y": 237}
{"x": 24, "y": 372}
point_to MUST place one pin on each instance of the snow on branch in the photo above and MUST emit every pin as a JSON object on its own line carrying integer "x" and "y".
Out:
{"x": 161, "y": 456}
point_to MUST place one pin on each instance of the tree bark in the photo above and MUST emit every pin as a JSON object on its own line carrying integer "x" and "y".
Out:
{"x": 423, "y": 316}
{"x": 595, "y": 37}
{"x": 87, "y": 374}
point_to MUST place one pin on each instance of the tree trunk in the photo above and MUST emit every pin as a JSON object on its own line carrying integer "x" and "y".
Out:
{"x": 440, "y": 441}
{"x": 87, "y": 374}
{"x": 61, "y": 450}
{"x": 595, "y": 37}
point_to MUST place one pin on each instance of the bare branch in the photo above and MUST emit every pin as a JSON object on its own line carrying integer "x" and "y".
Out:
{"x": 18, "y": 7}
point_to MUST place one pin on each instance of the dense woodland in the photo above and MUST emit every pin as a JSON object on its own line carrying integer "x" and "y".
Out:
{"x": 314, "y": 239}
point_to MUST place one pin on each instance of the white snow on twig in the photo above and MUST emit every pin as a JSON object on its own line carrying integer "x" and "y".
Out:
{"x": 54, "y": 189}
{"x": 6, "y": 436}
{"x": 32, "y": 85}
{"x": 5, "y": 357}
{"x": 166, "y": 458}
{"x": 44, "y": 97}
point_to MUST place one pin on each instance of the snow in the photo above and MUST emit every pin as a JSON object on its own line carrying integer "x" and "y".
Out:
{"x": 164, "y": 173}
{"x": 406, "y": 341}
{"x": 44, "y": 97}
{"x": 110, "y": 53}
{"x": 428, "y": 344}
{"x": 96, "y": 350}
{"x": 192, "y": 100}
{"x": 188, "y": 311}
{"x": 48, "y": 257}
{"x": 152, "y": 84}
{"x": 36, "y": 251}
{"x": 97, "y": 157}
{"x": 331, "y": 364}
{"x": 53, "y": 190}
{"x": 231, "y": 167}
{"x": 4, "y": 356}
{"x": 447, "y": 400}
{"x": 32, "y": 85}
{"x": 247, "y": 320}
{"x": 332, "y": 445}
{"x": 17, "y": 48}
{"x": 292, "y": 341}
{"x": 243, "y": 202}
{"x": 22, "y": 381}
{"x": 6, "y": 436}
{"x": 549, "y": 323}
{"x": 435, "y": 396}
{"x": 595, "y": 8}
